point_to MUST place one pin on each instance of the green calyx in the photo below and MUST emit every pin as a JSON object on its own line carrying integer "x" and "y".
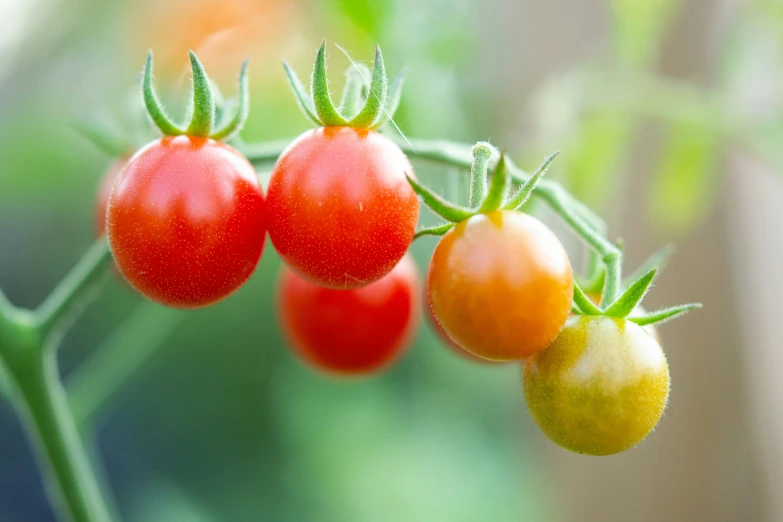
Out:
{"x": 625, "y": 305}
{"x": 208, "y": 115}
{"x": 485, "y": 197}
{"x": 367, "y": 101}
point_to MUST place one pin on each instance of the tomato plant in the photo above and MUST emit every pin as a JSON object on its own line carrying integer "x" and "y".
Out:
{"x": 600, "y": 388}
{"x": 186, "y": 222}
{"x": 354, "y": 331}
{"x": 341, "y": 212}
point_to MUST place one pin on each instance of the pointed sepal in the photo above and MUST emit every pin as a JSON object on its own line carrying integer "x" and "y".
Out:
{"x": 437, "y": 230}
{"x": 392, "y": 100}
{"x": 203, "y": 118}
{"x": 445, "y": 209}
{"x": 376, "y": 96}
{"x": 322, "y": 98}
{"x": 232, "y": 127}
{"x": 523, "y": 194}
{"x": 498, "y": 187}
{"x": 664, "y": 315}
{"x": 153, "y": 105}
{"x": 631, "y": 298}
{"x": 583, "y": 303}
{"x": 304, "y": 100}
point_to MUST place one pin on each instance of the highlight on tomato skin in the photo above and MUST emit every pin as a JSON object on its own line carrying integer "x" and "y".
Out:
{"x": 350, "y": 332}
{"x": 186, "y": 221}
{"x": 103, "y": 193}
{"x": 341, "y": 211}
{"x": 501, "y": 285}
{"x": 600, "y": 388}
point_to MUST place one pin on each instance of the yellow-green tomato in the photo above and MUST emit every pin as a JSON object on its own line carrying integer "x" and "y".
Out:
{"x": 601, "y": 386}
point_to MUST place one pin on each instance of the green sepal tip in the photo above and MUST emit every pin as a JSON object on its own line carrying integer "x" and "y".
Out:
{"x": 631, "y": 298}
{"x": 322, "y": 98}
{"x": 203, "y": 117}
{"x": 392, "y": 99}
{"x": 445, "y": 209}
{"x": 664, "y": 315}
{"x": 524, "y": 192}
{"x": 659, "y": 259}
{"x": 498, "y": 186}
{"x": 437, "y": 230}
{"x": 304, "y": 101}
{"x": 376, "y": 97}
{"x": 583, "y": 303}
{"x": 231, "y": 127}
{"x": 153, "y": 105}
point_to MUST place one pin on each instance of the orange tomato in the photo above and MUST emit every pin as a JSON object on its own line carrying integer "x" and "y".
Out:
{"x": 501, "y": 285}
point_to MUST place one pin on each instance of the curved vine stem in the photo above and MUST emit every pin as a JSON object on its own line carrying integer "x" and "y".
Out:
{"x": 74, "y": 290}
{"x": 584, "y": 222}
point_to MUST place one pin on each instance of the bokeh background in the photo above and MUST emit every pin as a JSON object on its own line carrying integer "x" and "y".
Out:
{"x": 669, "y": 116}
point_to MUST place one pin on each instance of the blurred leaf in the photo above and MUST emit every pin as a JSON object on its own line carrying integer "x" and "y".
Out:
{"x": 683, "y": 185}
{"x": 639, "y": 26}
{"x": 592, "y": 163}
{"x": 368, "y": 15}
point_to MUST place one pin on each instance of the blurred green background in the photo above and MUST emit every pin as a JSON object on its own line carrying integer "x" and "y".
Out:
{"x": 664, "y": 110}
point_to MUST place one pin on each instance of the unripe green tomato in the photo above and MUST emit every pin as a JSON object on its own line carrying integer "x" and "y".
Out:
{"x": 601, "y": 386}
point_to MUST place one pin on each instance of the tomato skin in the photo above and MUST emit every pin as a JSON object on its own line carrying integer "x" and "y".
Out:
{"x": 501, "y": 285}
{"x": 105, "y": 187}
{"x": 600, "y": 388}
{"x": 341, "y": 212}
{"x": 444, "y": 337}
{"x": 186, "y": 221}
{"x": 355, "y": 331}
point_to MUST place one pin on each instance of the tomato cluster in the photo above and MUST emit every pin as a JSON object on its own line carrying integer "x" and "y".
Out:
{"x": 186, "y": 219}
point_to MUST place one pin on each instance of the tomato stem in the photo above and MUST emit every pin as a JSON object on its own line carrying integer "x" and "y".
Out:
{"x": 74, "y": 290}
{"x": 482, "y": 152}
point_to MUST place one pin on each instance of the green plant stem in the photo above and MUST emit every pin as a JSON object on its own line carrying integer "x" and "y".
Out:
{"x": 74, "y": 290}
{"x": 50, "y": 425}
{"x": 28, "y": 351}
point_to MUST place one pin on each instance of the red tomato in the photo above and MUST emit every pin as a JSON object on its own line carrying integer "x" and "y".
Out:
{"x": 501, "y": 285}
{"x": 448, "y": 341}
{"x": 186, "y": 221}
{"x": 354, "y": 331}
{"x": 341, "y": 213}
{"x": 105, "y": 186}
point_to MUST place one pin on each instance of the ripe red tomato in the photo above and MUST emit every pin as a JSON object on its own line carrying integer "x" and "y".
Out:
{"x": 600, "y": 388}
{"x": 355, "y": 331}
{"x": 444, "y": 337}
{"x": 341, "y": 213}
{"x": 186, "y": 221}
{"x": 105, "y": 186}
{"x": 501, "y": 285}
